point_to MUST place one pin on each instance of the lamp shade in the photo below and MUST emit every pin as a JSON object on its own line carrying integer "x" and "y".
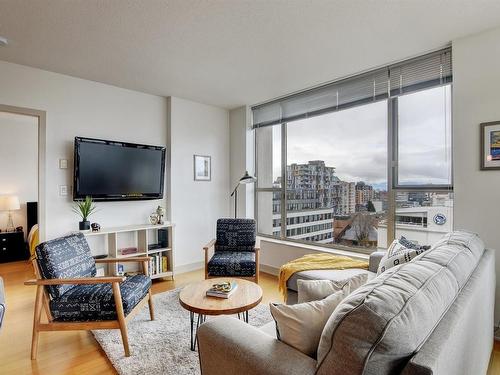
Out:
{"x": 247, "y": 179}
{"x": 9, "y": 203}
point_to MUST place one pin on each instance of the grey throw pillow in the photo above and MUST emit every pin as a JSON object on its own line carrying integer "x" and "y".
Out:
{"x": 315, "y": 290}
{"x": 301, "y": 325}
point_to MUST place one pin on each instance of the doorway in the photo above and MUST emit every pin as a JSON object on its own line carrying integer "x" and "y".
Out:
{"x": 22, "y": 171}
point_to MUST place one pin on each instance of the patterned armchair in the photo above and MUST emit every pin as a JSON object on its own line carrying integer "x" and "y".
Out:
{"x": 235, "y": 254}
{"x": 75, "y": 299}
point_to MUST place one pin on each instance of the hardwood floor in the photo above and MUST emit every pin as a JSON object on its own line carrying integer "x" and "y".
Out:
{"x": 77, "y": 352}
{"x": 74, "y": 352}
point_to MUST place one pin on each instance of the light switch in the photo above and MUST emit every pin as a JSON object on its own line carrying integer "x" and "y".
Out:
{"x": 63, "y": 163}
{"x": 63, "y": 190}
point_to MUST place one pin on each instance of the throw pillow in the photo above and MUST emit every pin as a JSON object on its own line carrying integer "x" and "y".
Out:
{"x": 315, "y": 290}
{"x": 301, "y": 325}
{"x": 397, "y": 254}
{"x": 411, "y": 245}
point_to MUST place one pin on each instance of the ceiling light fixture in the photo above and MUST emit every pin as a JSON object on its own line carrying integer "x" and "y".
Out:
{"x": 3, "y": 41}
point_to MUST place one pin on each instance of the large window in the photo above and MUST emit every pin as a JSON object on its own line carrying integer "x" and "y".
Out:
{"x": 360, "y": 175}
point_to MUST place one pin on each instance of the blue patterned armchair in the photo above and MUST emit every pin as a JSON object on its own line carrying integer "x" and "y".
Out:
{"x": 235, "y": 254}
{"x": 75, "y": 299}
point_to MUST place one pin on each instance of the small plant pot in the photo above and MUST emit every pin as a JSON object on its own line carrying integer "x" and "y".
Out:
{"x": 84, "y": 225}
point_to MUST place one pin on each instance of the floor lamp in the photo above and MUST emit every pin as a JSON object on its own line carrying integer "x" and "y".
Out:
{"x": 246, "y": 179}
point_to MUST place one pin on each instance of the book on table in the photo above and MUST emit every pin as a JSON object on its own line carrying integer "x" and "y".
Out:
{"x": 222, "y": 290}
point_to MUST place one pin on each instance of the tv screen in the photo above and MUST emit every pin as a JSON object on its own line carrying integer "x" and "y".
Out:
{"x": 110, "y": 170}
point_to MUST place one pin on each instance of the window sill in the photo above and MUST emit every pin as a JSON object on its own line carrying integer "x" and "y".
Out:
{"x": 321, "y": 249}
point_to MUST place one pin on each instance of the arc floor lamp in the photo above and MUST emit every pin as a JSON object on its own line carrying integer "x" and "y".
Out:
{"x": 246, "y": 179}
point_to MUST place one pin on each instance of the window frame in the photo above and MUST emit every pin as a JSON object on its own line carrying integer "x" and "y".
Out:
{"x": 392, "y": 179}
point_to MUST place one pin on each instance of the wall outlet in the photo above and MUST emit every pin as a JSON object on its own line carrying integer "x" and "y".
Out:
{"x": 63, "y": 163}
{"x": 63, "y": 190}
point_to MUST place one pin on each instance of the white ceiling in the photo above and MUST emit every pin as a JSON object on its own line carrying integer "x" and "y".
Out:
{"x": 230, "y": 52}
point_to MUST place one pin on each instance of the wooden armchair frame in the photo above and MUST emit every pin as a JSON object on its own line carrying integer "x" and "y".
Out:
{"x": 210, "y": 246}
{"x": 43, "y": 299}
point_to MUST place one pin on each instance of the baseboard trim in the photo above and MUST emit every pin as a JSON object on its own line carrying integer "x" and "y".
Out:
{"x": 189, "y": 267}
{"x": 270, "y": 270}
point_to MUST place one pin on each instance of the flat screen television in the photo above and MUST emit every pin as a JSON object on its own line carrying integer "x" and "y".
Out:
{"x": 112, "y": 171}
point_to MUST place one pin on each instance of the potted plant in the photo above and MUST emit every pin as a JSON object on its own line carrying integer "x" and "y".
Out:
{"x": 84, "y": 208}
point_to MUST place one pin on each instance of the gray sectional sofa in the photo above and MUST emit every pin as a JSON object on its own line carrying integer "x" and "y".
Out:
{"x": 335, "y": 275}
{"x": 433, "y": 315}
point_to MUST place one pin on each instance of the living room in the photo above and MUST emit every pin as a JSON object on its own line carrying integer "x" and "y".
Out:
{"x": 309, "y": 139}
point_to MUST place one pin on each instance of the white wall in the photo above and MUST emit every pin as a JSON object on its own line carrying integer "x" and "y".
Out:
{"x": 77, "y": 107}
{"x": 242, "y": 159}
{"x": 19, "y": 163}
{"x": 195, "y": 206}
{"x": 476, "y": 99}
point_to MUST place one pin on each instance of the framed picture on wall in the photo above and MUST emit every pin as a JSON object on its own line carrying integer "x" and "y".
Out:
{"x": 490, "y": 145}
{"x": 202, "y": 168}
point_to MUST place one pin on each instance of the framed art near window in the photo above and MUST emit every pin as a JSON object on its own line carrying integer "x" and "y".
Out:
{"x": 202, "y": 168}
{"x": 490, "y": 145}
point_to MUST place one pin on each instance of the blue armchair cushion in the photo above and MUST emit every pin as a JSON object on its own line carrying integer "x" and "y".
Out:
{"x": 227, "y": 263}
{"x": 65, "y": 257}
{"x": 96, "y": 302}
{"x": 235, "y": 235}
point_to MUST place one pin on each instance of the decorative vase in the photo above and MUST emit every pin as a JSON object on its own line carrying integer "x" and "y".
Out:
{"x": 84, "y": 225}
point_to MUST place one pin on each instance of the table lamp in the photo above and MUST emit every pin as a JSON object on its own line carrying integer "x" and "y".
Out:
{"x": 246, "y": 179}
{"x": 9, "y": 203}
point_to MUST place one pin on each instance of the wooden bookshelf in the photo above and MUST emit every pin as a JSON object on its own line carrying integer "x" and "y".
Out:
{"x": 111, "y": 241}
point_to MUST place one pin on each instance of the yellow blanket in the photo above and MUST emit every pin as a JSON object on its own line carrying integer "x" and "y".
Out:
{"x": 319, "y": 261}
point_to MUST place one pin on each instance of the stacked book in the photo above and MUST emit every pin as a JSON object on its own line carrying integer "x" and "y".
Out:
{"x": 158, "y": 264}
{"x": 222, "y": 290}
{"x": 127, "y": 250}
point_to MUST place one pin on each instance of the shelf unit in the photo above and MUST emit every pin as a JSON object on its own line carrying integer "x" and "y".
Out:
{"x": 111, "y": 240}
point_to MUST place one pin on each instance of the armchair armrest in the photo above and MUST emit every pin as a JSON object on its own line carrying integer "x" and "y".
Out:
{"x": 209, "y": 245}
{"x": 206, "y": 248}
{"x": 253, "y": 352}
{"x": 123, "y": 260}
{"x": 374, "y": 260}
{"x": 77, "y": 280}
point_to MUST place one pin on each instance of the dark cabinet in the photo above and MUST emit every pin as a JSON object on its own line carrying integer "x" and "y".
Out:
{"x": 13, "y": 247}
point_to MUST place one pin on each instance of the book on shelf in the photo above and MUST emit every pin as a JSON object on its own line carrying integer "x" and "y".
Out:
{"x": 222, "y": 290}
{"x": 158, "y": 264}
{"x": 127, "y": 250}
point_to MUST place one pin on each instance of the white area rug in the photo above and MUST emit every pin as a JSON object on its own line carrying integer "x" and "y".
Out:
{"x": 161, "y": 346}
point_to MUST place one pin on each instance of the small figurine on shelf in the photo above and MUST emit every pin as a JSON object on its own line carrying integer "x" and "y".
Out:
{"x": 153, "y": 218}
{"x": 160, "y": 212}
{"x": 95, "y": 227}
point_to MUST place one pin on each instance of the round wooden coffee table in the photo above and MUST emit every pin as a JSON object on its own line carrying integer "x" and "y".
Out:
{"x": 193, "y": 298}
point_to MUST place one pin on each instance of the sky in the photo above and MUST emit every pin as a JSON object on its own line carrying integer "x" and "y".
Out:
{"x": 354, "y": 141}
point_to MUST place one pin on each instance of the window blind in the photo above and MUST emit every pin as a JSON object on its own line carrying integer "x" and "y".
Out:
{"x": 430, "y": 70}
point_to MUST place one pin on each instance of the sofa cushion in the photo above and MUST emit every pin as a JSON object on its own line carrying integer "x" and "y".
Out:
{"x": 65, "y": 257}
{"x": 376, "y": 329}
{"x": 235, "y": 235}
{"x": 315, "y": 290}
{"x": 226, "y": 263}
{"x": 96, "y": 302}
{"x": 300, "y": 325}
{"x": 269, "y": 329}
{"x": 334, "y": 275}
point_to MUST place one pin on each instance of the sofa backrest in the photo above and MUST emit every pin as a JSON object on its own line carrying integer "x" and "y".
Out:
{"x": 65, "y": 257}
{"x": 378, "y": 328}
{"x": 235, "y": 235}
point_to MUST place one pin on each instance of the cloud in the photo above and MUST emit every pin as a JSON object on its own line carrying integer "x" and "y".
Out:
{"x": 354, "y": 141}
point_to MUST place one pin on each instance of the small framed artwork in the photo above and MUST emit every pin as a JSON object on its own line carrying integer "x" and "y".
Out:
{"x": 202, "y": 168}
{"x": 490, "y": 145}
